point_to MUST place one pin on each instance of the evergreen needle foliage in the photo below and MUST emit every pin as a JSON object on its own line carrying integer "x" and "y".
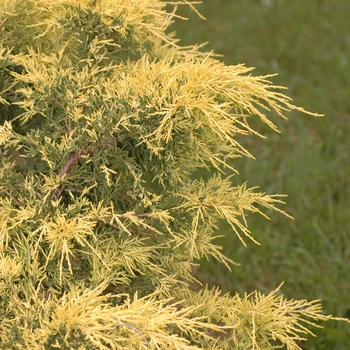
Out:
{"x": 104, "y": 121}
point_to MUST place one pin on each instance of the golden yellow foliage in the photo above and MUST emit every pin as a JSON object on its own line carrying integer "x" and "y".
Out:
{"x": 104, "y": 120}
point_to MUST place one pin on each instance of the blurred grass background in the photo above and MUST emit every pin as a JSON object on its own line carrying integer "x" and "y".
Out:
{"x": 308, "y": 44}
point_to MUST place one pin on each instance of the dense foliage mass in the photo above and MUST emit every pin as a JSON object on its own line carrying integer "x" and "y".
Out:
{"x": 105, "y": 120}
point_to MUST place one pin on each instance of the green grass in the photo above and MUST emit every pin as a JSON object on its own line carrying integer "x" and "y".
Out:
{"x": 308, "y": 44}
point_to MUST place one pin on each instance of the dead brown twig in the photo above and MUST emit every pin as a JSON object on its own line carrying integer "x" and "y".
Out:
{"x": 13, "y": 198}
{"x": 66, "y": 169}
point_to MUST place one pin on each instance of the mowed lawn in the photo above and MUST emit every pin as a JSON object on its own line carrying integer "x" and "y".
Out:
{"x": 308, "y": 44}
